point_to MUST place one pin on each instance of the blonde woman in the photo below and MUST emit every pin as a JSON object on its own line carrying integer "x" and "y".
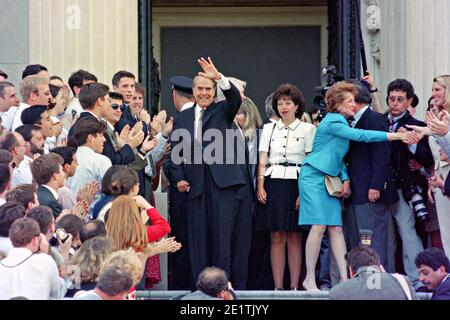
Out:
{"x": 84, "y": 267}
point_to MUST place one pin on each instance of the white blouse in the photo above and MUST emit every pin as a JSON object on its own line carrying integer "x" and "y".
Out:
{"x": 287, "y": 144}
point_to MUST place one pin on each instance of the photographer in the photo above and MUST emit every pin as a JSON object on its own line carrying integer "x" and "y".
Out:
{"x": 400, "y": 94}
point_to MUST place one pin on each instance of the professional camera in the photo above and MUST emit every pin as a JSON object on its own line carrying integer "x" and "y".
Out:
{"x": 417, "y": 202}
{"x": 328, "y": 79}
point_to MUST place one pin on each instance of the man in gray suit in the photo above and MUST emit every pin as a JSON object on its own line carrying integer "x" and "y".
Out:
{"x": 369, "y": 281}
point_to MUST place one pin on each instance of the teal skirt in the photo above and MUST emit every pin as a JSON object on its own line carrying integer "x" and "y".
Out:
{"x": 317, "y": 207}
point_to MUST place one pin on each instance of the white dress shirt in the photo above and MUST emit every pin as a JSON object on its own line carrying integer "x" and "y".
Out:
{"x": 187, "y": 106}
{"x": 22, "y": 173}
{"x": 33, "y": 276}
{"x": 72, "y": 113}
{"x": 8, "y": 118}
{"x": 92, "y": 166}
{"x": 288, "y": 144}
{"x": 17, "y": 117}
{"x": 5, "y": 244}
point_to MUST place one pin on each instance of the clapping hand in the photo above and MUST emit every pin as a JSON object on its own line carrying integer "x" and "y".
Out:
{"x": 438, "y": 125}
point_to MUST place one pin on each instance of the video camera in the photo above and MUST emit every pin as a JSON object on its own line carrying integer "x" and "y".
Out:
{"x": 328, "y": 78}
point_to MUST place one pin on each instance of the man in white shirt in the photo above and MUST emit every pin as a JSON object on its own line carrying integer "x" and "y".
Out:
{"x": 34, "y": 91}
{"x": 29, "y": 271}
{"x": 14, "y": 143}
{"x": 92, "y": 165}
{"x": 8, "y": 99}
{"x": 74, "y": 109}
{"x": 34, "y": 142}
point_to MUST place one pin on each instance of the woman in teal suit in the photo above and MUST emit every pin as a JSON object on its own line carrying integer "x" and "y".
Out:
{"x": 317, "y": 208}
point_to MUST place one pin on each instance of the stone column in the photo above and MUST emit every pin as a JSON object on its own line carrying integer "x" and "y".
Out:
{"x": 414, "y": 44}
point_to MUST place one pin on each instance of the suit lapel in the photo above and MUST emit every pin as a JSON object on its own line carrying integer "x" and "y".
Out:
{"x": 112, "y": 137}
{"x": 208, "y": 113}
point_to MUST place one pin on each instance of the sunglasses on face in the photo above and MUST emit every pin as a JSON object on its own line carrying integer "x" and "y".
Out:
{"x": 115, "y": 106}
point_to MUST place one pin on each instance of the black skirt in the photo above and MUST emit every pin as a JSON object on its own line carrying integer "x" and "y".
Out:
{"x": 279, "y": 213}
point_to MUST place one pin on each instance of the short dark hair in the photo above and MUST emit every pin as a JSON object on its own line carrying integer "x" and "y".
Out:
{"x": 362, "y": 256}
{"x": 71, "y": 223}
{"x": 22, "y": 231}
{"x": 5, "y": 156}
{"x": 363, "y": 94}
{"x": 26, "y": 131}
{"x": 294, "y": 93}
{"x": 66, "y": 153}
{"x": 9, "y": 142}
{"x": 9, "y": 212}
{"x": 3, "y": 74}
{"x": 85, "y": 126}
{"x": 33, "y": 114}
{"x": 115, "y": 95}
{"x": 90, "y": 93}
{"x": 44, "y": 167}
{"x": 401, "y": 85}
{"x": 212, "y": 281}
{"x": 77, "y": 78}
{"x": 121, "y": 74}
{"x": 23, "y": 194}
{"x": 433, "y": 258}
{"x": 32, "y": 69}
{"x": 44, "y": 217}
{"x": 114, "y": 281}
{"x": 5, "y": 176}
{"x": 56, "y": 78}
{"x": 3, "y": 86}
{"x": 94, "y": 228}
{"x": 123, "y": 179}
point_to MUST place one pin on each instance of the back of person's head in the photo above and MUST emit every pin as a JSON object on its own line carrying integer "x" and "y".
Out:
{"x": 212, "y": 281}
{"x": 124, "y": 224}
{"x": 90, "y": 93}
{"x": 33, "y": 115}
{"x": 119, "y": 75}
{"x": 94, "y": 228}
{"x": 44, "y": 217}
{"x": 89, "y": 258}
{"x": 44, "y": 167}
{"x": 128, "y": 261}
{"x": 5, "y": 176}
{"x": 106, "y": 180}
{"x": 363, "y": 94}
{"x": 114, "y": 282}
{"x": 66, "y": 153}
{"x": 77, "y": 78}
{"x": 83, "y": 127}
{"x": 23, "y": 194}
{"x": 32, "y": 69}
{"x": 401, "y": 85}
{"x": 9, "y": 212}
{"x": 123, "y": 180}
{"x": 433, "y": 258}
{"x": 9, "y": 142}
{"x": 71, "y": 223}
{"x": 31, "y": 84}
{"x": 5, "y": 156}
{"x": 362, "y": 256}
{"x": 26, "y": 131}
{"x": 22, "y": 231}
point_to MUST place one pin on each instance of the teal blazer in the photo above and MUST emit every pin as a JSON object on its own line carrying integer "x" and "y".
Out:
{"x": 331, "y": 144}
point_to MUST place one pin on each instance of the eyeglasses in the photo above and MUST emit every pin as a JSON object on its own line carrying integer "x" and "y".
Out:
{"x": 399, "y": 99}
{"x": 115, "y": 106}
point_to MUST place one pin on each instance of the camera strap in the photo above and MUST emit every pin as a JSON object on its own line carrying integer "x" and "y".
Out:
{"x": 18, "y": 263}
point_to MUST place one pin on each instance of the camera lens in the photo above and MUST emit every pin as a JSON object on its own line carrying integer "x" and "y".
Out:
{"x": 419, "y": 207}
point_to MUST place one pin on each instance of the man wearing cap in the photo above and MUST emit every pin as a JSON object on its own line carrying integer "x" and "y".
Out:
{"x": 212, "y": 183}
{"x": 182, "y": 93}
{"x": 179, "y": 262}
{"x": 372, "y": 182}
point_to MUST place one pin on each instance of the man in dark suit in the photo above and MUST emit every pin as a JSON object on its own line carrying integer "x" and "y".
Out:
{"x": 207, "y": 171}
{"x": 434, "y": 267}
{"x": 179, "y": 262}
{"x": 371, "y": 179}
{"x": 48, "y": 173}
{"x": 400, "y": 93}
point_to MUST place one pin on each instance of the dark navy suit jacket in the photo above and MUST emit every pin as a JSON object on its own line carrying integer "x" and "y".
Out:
{"x": 443, "y": 291}
{"x": 369, "y": 163}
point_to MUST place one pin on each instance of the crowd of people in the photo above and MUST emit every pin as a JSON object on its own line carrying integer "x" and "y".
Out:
{"x": 78, "y": 175}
